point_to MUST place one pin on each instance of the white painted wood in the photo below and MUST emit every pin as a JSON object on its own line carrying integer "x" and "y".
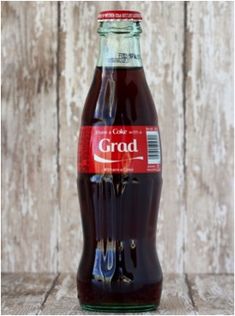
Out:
{"x": 213, "y": 294}
{"x": 24, "y": 294}
{"x": 175, "y": 296}
{"x": 63, "y": 298}
{"x": 209, "y": 138}
{"x": 29, "y": 137}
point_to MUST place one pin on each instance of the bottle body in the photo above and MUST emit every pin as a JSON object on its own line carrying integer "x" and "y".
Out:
{"x": 119, "y": 191}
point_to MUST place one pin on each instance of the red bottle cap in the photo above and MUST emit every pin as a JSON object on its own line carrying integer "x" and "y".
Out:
{"x": 119, "y": 15}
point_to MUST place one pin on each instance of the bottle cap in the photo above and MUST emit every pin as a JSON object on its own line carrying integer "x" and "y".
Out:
{"x": 119, "y": 15}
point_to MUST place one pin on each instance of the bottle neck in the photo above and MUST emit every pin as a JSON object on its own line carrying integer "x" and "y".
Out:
{"x": 119, "y": 44}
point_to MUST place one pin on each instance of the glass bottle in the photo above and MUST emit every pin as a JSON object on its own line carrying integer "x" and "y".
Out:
{"x": 119, "y": 176}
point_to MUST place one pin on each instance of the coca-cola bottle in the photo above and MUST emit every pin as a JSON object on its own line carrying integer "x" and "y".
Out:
{"x": 119, "y": 176}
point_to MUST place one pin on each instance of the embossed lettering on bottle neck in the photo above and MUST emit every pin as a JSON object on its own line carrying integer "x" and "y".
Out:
{"x": 119, "y": 44}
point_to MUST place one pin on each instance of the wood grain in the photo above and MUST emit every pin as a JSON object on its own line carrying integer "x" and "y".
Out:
{"x": 209, "y": 140}
{"x": 175, "y": 296}
{"x": 163, "y": 65}
{"x": 24, "y": 294}
{"x": 29, "y": 137}
{"x": 63, "y": 298}
{"x": 213, "y": 294}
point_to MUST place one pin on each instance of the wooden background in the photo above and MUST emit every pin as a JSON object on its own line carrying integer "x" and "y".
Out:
{"x": 49, "y": 52}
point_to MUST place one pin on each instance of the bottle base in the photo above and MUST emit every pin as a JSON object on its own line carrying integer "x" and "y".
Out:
{"x": 119, "y": 308}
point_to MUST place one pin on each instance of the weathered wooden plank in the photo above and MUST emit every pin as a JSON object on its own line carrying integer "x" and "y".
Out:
{"x": 63, "y": 298}
{"x": 162, "y": 50}
{"x": 29, "y": 137}
{"x": 213, "y": 294}
{"x": 209, "y": 137}
{"x": 24, "y": 294}
{"x": 175, "y": 296}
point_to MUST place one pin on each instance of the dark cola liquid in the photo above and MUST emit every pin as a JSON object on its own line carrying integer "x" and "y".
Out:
{"x": 119, "y": 264}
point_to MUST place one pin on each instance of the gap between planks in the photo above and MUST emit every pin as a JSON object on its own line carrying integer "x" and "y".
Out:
{"x": 184, "y": 92}
{"x": 58, "y": 169}
{"x": 190, "y": 294}
{"x": 48, "y": 293}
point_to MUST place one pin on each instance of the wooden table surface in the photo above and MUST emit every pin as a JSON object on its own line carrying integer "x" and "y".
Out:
{"x": 40, "y": 294}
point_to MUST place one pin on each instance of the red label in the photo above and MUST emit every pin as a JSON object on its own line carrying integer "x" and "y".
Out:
{"x": 119, "y": 149}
